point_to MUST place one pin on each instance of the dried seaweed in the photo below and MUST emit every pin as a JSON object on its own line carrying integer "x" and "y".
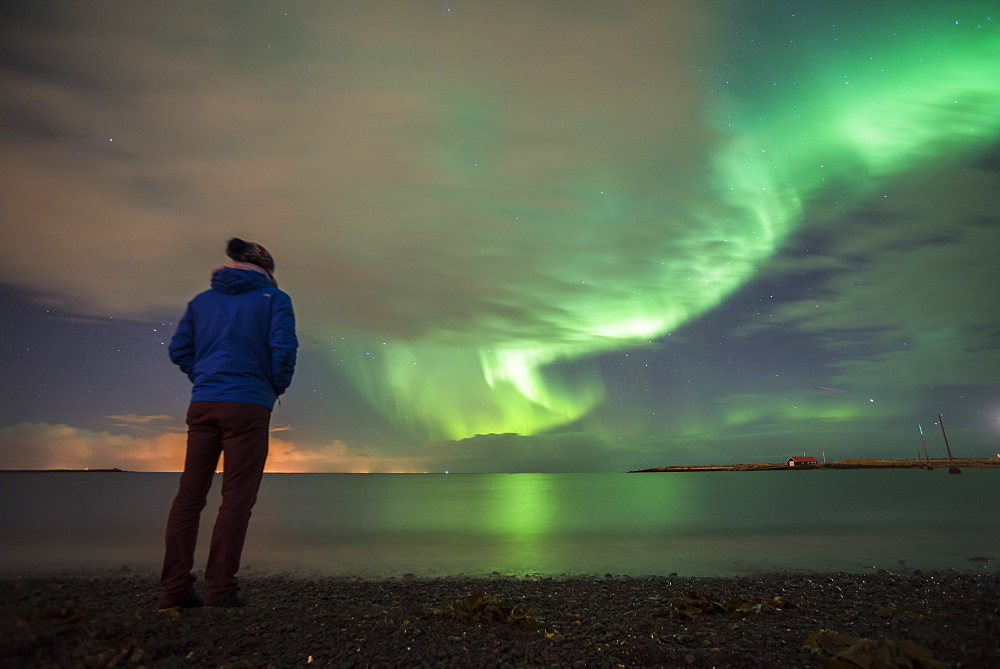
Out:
{"x": 483, "y": 607}
{"x": 840, "y": 651}
{"x": 694, "y": 604}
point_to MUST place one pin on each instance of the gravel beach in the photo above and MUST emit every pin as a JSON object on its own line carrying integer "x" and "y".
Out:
{"x": 928, "y": 619}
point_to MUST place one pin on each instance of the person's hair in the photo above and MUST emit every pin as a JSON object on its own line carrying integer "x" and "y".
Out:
{"x": 250, "y": 252}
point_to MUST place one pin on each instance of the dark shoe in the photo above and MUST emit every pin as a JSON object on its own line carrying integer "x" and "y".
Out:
{"x": 230, "y": 601}
{"x": 188, "y": 600}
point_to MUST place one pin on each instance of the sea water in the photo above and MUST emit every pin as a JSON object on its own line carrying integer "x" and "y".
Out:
{"x": 375, "y": 525}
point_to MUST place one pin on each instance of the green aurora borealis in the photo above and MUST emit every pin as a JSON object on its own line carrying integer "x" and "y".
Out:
{"x": 823, "y": 120}
{"x": 519, "y": 236}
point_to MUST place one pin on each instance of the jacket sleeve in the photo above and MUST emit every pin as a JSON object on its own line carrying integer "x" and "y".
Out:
{"x": 182, "y": 345}
{"x": 284, "y": 343}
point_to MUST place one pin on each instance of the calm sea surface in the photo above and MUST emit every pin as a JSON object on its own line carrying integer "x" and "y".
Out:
{"x": 443, "y": 524}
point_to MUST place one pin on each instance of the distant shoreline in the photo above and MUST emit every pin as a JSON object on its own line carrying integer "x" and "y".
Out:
{"x": 934, "y": 463}
{"x": 62, "y": 471}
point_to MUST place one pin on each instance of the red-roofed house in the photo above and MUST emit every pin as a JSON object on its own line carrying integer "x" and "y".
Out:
{"x": 800, "y": 460}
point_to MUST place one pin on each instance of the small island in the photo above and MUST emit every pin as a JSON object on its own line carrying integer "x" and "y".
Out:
{"x": 797, "y": 464}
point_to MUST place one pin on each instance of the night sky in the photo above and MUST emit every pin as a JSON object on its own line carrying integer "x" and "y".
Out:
{"x": 519, "y": 236}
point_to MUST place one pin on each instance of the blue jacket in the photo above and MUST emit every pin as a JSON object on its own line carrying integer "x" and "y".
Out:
{"x": 236, "y": 342}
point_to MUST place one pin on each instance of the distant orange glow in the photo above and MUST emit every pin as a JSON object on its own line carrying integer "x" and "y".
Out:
{"x": 54, "y": 446}
{"x": 285, "y": 457}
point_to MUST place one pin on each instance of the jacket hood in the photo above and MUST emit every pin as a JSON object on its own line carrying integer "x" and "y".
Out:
{"x": 232, "y": 281}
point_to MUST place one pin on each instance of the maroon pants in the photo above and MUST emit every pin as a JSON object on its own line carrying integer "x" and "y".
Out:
{"x": 240, "y": 431}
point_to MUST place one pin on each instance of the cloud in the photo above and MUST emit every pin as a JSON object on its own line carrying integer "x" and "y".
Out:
{"x": 335, "y": 456}
{"x": 136, "y": 419}
{"x": 133, "y": 421}
{"x": 54, "y": 446}
{"x": 386, "y": 174}
{"x": 904, "y": 282}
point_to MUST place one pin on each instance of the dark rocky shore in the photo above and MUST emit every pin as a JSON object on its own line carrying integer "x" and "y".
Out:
{"x": 913, "y": 619}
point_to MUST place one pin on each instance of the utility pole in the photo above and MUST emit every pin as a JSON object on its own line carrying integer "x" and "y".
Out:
{"x": 924, "y": 444}
{"x": 953, "y": 469}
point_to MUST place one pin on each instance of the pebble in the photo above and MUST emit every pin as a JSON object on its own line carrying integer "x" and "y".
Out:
{"x": 583, "y": 620}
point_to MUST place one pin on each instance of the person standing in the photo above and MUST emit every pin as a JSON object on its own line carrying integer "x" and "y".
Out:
{"x": 237, "y": 345}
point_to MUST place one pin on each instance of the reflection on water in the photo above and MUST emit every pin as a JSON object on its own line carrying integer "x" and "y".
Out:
{"x": 384, "y": 524}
